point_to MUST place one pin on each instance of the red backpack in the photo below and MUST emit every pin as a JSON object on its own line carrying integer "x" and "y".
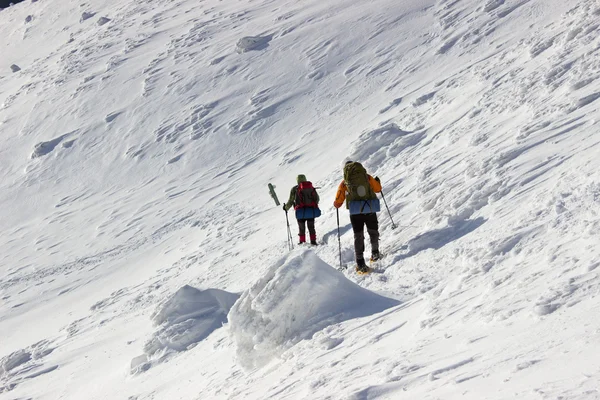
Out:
{"x": 306, "y": 196}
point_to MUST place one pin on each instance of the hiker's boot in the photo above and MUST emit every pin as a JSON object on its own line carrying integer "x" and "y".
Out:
{"x": 375, "y": 255}
{"x": 361, "y": 266}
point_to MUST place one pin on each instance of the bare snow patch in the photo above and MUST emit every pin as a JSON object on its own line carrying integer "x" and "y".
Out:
{"x": 298, "y": 297}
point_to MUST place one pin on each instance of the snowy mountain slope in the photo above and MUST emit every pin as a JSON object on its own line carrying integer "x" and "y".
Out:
{"x": 159, "y": 137}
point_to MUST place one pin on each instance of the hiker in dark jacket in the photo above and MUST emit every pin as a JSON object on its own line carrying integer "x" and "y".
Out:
{"x": 305, "y": 200}
{"x": 358, "y": 189}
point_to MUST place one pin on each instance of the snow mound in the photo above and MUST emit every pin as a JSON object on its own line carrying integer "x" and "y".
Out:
{"x": 44, "y": 148}
{"x": 299, "y": 296}
{"x": 249, "y": 43}
{"x": 374, "y": 146}
{"x": 103, "y": 21}
{"x": 24, "y": 364}
{"x": 14, "y": 360}
{"x": 188, "y": 317}
{"x": 86, "y": 15}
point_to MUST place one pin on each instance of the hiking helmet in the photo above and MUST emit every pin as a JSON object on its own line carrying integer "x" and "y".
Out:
{"x": 301, "y": 178}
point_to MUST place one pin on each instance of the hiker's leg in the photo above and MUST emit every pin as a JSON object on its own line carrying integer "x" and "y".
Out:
{"x": 373, "y": 230}
{"x": 358, "y": 224}
{"x": 301, "y": 230}
{"x": 311, "y": 229}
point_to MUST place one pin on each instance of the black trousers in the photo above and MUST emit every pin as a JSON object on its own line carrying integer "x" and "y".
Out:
{"x": 302, "y": 227}
{"x": 359, "y": 221}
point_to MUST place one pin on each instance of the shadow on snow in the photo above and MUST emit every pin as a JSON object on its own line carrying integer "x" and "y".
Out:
{"x": 438, "y": 238}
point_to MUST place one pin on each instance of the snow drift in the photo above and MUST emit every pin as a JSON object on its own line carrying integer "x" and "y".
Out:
{"x": 185, "y": 319}
{"x": 25, "y": 364}
{"x": 298, "y": 297}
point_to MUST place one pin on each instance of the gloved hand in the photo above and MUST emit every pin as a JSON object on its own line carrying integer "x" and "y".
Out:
{"x": 284, "y": 209}
{"x": 377, "y": 179}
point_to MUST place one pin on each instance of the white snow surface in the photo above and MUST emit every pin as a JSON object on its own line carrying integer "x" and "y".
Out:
{"x": 137, "y": 139}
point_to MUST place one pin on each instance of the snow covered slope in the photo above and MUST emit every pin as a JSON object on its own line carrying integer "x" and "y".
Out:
{"x": 138, "y": 138}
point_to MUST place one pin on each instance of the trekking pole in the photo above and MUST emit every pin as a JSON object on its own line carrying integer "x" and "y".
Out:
{"x": 289, "y": 232}
{"x": 337, "y": 211}
{"x": 388, "y": 210}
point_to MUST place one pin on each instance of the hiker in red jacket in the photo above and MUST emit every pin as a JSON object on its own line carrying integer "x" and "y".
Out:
{"x": 305, "y": 200}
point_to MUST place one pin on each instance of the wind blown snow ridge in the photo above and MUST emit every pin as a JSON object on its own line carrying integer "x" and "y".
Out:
{"x": 298, "y": 297}
{"x": 138, "y": 139}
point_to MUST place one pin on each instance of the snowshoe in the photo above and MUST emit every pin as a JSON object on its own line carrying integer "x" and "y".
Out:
{"x": 363, "y": 271}
{"x": 361, "y": 267}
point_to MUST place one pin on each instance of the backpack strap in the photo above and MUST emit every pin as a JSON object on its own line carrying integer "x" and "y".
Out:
{"x": 369, "y": 188}
{"x": 366, "y": 203}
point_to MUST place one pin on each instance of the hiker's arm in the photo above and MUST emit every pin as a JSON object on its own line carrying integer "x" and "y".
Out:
{"x": 340, "y": 196}
{"x": 290, "y": 201}
{"x": 375, "y": 184}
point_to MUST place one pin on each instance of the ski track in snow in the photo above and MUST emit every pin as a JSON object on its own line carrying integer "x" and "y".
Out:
{"x": 138, "y": 140}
